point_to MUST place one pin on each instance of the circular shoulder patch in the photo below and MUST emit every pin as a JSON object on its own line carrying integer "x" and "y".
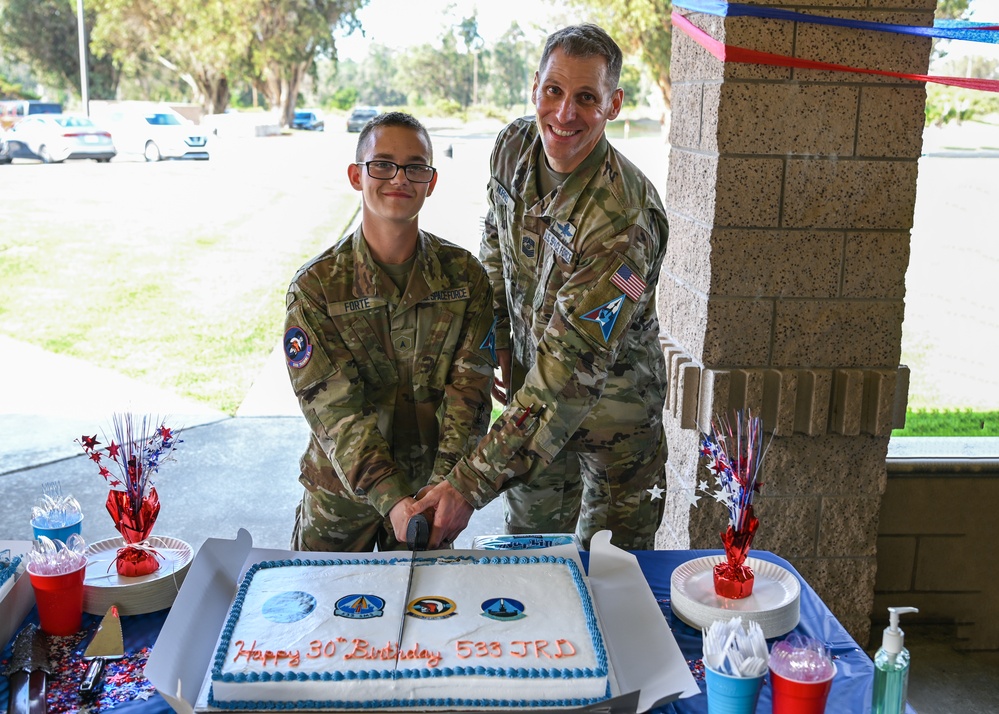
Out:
{"x": 297, "y": 347}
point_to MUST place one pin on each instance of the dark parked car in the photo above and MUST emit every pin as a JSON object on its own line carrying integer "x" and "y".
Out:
{"x": 359, "y": 117}
{"x": 309, "y": 121}
{"x": 4, "y": 153}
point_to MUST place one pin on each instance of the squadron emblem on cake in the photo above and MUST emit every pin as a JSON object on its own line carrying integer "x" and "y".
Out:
{"x": 289, "y": 606}
{"x": 432, "y": 608}
{"x": 503, "y": 609}
{"x": 359, "y": 607}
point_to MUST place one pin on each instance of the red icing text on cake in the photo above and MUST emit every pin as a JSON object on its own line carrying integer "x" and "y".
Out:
{"x": 292, "y": 657}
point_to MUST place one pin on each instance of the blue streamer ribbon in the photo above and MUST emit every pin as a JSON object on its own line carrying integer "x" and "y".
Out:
{"x": 942, "y": 29}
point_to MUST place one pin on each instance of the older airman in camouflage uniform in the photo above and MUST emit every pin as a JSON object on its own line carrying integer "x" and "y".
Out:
{"x": 574, "y": 260}
{"x": 392, "y": 376}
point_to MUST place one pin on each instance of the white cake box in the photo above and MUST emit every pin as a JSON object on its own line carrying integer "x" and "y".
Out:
{"x": 647, "y": 666}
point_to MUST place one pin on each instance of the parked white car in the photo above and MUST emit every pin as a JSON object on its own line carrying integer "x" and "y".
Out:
{"x": 155, "y": 131}
{"x": 53, "y": 138}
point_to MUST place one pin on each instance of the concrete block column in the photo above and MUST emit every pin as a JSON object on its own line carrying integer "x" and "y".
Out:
{"x": 790, "y": 199}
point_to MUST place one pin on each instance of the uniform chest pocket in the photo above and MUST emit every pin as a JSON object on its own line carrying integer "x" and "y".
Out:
{"x": 370, "y": 357}
{"x": 439, "y": 341}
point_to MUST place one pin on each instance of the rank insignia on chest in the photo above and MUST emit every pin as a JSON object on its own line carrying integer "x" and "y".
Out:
{"x": 606, "y": 316}
{"x": 565, "y": 230}
{"x": 528, "y": 246}
{"x": 402, "y": 343}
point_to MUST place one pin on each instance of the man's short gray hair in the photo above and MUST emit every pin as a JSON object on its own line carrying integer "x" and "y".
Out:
{"x": 585, "y": 40}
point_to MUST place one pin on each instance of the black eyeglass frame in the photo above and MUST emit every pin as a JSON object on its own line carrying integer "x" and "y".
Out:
{"x": 405, "y": 169}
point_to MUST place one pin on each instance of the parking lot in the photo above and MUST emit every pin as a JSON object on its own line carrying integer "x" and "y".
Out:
{"x": 264, "y": 188}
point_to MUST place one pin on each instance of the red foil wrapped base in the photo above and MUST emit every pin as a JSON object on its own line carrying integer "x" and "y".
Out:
{"x": 733, "y": 579}
{"x": 133, "y": 561}
{"x": 134, "y": 519}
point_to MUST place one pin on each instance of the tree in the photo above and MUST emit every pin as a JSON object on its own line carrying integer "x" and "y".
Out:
{"x": 44, "y": 35}
{"x": 287, "y": 36}
{"x": 510, "y": 69}
{"x": 642, "y": 27}
{"x": 203, "y": 43}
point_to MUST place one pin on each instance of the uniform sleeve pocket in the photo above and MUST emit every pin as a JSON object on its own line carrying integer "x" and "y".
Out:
{"x": 307, "y": 360}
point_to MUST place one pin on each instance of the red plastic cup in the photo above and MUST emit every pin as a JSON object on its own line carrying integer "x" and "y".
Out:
{"x": 791, "y": 696}
{"x": 60, "y": 600}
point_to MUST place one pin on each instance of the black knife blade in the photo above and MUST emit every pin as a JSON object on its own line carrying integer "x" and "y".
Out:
{"x": 417, "y": 538}
{"x": 27, "y": 672}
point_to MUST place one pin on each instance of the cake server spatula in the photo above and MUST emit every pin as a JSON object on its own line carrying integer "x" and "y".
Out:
{"x": 107, "y": 644}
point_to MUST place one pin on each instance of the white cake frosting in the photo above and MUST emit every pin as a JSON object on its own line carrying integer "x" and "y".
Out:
{"x": 492, "y": 632}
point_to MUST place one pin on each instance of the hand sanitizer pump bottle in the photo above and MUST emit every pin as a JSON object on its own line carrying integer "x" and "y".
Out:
{"x": 891, "y": 667}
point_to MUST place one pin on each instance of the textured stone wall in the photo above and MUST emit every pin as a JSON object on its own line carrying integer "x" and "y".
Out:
{"x": 790, "y": 199}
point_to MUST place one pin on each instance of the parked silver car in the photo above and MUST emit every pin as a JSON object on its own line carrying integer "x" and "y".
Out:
{"x": 54, "y": 138}
{"x": 360, "y": 116}
{"x": 155, "y": 131}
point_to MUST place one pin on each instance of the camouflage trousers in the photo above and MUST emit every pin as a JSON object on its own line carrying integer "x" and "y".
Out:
{"x": 590, "y": 492}
{"x": 327, "y": 522}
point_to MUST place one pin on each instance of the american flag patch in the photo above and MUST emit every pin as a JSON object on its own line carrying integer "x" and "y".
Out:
{"x": 632, "y": 285}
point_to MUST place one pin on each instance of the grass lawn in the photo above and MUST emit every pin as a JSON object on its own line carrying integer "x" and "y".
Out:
{"x": 173, "y": 273}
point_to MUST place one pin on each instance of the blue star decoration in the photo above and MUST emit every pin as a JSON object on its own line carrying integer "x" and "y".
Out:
{"x": 656, "y": 492}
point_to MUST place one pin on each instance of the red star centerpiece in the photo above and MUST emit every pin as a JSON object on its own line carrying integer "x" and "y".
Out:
{"x": 734, "y": 452}
{"x": 128, "y": 464}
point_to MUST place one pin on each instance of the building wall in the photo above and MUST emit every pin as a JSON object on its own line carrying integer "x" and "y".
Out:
{"x": 936, "y": 546}
{"x": 790, "y": 198}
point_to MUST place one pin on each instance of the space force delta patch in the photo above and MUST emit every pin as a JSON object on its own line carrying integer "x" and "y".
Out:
{"x": 606, "y": 316}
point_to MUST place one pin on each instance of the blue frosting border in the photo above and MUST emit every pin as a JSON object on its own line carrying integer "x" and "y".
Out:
{"x": 515, "y": 673}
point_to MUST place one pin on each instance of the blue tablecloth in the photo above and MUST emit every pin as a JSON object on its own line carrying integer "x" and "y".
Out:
{"x": 851, "y": 690}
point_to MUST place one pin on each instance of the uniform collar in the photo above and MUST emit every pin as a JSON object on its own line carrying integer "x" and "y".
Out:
{"x": 370, "y": 281}
{"x": 559, "y": 205}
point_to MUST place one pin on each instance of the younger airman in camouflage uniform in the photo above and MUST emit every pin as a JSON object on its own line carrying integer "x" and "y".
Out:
{"x": 392, "y": 365}
{"x": 573, "y": 244}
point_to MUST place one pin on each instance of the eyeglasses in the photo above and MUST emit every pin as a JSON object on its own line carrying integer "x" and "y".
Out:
{"x": 384, "y": 170}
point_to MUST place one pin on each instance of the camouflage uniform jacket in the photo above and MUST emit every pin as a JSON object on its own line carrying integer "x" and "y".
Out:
{"x": 574, "y": 275}
{"x": 347, "y": 331}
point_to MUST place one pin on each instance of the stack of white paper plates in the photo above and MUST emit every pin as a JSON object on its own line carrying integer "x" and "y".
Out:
{"x": 103, "y": 587}
{"x": 774, "y": 604}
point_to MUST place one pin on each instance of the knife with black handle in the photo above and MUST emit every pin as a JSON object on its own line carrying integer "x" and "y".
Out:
{"x": 28, "y": 672}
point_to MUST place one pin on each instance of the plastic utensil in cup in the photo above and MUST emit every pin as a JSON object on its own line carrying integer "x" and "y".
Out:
{"x": 62, "y": 533}
{"x": 731, "y": 695}
{"x": 793, "y": 697}
{"x": 59, "y": 599}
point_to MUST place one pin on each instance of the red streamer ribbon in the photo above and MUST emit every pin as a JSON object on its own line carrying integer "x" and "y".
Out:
{"x": 731, "y": 53}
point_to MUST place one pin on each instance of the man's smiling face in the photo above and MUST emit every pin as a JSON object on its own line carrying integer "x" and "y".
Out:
{"x": 574, "y": 103}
